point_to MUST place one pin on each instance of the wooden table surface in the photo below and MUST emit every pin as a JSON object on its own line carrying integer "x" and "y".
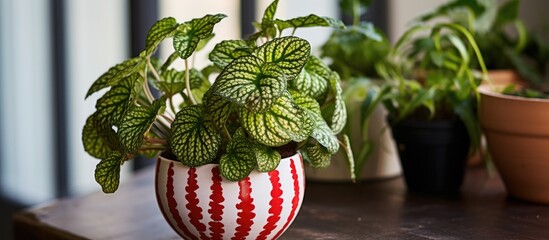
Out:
{"x": 371, "y": 210}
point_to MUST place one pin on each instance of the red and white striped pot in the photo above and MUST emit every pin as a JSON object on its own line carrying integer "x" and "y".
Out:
{"x": 199, "y": 204}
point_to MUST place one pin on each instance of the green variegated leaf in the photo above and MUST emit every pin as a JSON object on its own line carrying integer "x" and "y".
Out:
{"x": 250, "y": 82}
{"x": 107, "y": 172}
{"x": 267, "y": 27}
{"x": 313, "y": 79}
{"x": 218, "y": 108}
{"x": 270, "y": 12}
{"x": 339, "y": 117}
{"x": 185, "y": 44}
{"x": 323, "y": 134}
{"x": 194, "y": 140}
{"x": 319, "y": 156}
{"x": 186, "y": 40}
{"x": 116, "y": 73}
{"x": 161, "y": 30}
{"x": 173, "y": 82}
{"x": 99, "y": 139}
{"x": 280, "y": 124}
{"x": 309, "y": 21}
{"x": 353, "y": 170}
{"x": 204, "y": 41}
{"x": 266, "y": 157}
{"x": 288, "y": 53}
{"x": 321, "y": 131}
{"x": 114, "y": 104}
{"x": 239, "y": 160}
{"x": 197, "y": 79}
{"x": 305, "y": 102}
{"x": 136, "y": 124}
{"x": 227, "y": 51}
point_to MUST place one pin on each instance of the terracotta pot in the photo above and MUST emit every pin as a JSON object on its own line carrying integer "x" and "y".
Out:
{"x": 506, "y": 77}
{"x": 199, "y": 204}
{"x": 517, "y": 134}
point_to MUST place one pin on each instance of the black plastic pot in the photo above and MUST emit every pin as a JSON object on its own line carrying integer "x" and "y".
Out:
{"x": 433, "y": 154}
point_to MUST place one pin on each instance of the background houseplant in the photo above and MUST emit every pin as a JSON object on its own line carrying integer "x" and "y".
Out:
{"x": 264, "y": 105}
{"x": 353, "y": 52}
{"x": 430, "y": 94}
{"x": 506, "y": 44}
{"x": 515, "y": 126}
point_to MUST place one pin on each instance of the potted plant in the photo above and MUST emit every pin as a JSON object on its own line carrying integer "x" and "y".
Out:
{"x": 430, "y": 94}
{"x": 353, "y": 52}
{"x": 230, "y": 161}
{"x": 517, "y": 94}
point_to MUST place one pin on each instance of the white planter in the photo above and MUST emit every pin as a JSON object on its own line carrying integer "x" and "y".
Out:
{"x": 382, "y": 163}
{"x": 199, "y": 204}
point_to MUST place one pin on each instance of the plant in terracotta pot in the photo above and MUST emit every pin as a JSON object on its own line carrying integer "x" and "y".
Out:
{"x": 513, "y": 110}
{"x": 513, "y": 57}
{"x": 353, "y": 52}
{"x": 431, "y": 93}
{"x": 230, "y": 161}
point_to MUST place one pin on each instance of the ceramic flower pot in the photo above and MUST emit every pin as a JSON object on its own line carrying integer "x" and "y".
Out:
{"x": 433, "y": 154}
{"x": 199, "y": 204}
{"x": 517, "y": 135}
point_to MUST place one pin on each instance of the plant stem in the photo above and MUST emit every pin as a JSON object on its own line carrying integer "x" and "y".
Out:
{"x": 156, "y": 140}
{"x": 172, "y": 107}
{"x": 153, "y": 148}
{"x": 146, "y": 88}
{"x": 356, "y": 12}
{"x": 226, "y": 132}
{"x": 167, "y": 118}
{"x": 188, "y": 83}
{"x": 153, "y": 70}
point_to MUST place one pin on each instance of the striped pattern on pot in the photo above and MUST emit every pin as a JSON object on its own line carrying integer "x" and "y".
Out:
{"x": 199, "y": 204}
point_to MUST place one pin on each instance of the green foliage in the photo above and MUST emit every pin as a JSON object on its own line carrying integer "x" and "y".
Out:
{"x": 490, "y": 22}
{"x": 268, "y": 95}
{"x": 431, "y": 78}
{"x": 355, "y": 50}
{"x": 186, "y": 40}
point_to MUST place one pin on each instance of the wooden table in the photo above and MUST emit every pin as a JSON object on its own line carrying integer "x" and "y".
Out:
{"x": 373, "y": 210}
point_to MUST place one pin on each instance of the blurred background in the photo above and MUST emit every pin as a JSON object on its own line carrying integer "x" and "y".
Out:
{"x": 52, "y": 50}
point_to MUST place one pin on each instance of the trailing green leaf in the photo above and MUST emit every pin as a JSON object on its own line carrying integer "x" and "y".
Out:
{"x": 239, "y": 160}
{"x": 162, "y": 29}
{"x": 218, "y": 108}
{"x": 186, "y": 40}
{"x": 267, "y": 158}
{"x": 288, "y": 53}
{"x": 311, "y": 20}
{"x": 117, "y": 73}
{"x": 99, "y": 139}
{"x": 173, "y": 82}
{"x": 267, "y": 27}
{"x": 313, "y": 79}
{"x": 227, "y": 51}
{"x": 339, "y": 117}
{"x": 250, "y": 82}
{"x": 305, "y": 101}
{"x": 354, "y": 170}
{"x": 107, "y": 172}
{"x": 318, "y": 156}
{"x": 280, "y": 124}
{"x": 194, "y": 140}
{"x": 114, "y": 104}
{"x": 136, "y": 124}
{"x": 323, "y": 134}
